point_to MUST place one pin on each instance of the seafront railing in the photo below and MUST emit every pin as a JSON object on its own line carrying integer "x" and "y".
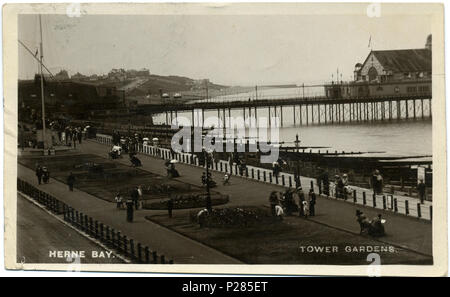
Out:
{"x": 110, "y": 237}
{"x": 358, "y": 196}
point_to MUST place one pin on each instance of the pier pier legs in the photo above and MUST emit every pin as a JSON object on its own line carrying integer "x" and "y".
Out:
{"x": 406, "y": 109}
{"x": 421, "y": 103}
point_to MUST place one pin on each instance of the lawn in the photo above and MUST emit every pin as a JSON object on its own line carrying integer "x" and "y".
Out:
{"x": 105, "y": 178}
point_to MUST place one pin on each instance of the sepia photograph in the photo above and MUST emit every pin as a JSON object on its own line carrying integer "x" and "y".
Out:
{"x": 273, "y": 138}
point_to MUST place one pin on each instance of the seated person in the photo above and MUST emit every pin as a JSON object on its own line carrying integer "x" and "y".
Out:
{"x": 376, "y": 226}
{"x": 363, "y": 221}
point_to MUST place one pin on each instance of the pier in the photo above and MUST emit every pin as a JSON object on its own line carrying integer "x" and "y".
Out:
{"x": 305, "y": 110}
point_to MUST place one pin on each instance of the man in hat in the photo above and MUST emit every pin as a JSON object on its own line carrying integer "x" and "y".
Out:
{"x": 421, "y": 189}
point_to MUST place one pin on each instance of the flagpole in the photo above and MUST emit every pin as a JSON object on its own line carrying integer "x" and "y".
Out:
{"x": 42, "y": 86}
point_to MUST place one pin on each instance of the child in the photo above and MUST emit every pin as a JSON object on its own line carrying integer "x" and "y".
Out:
{"x": 226, "y": 179}
{"x": 279, "y": 212}
{"x": 305, "y": 209}
{"x": 119, "y": 201}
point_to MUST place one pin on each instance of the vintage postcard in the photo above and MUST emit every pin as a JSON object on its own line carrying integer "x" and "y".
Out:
{"x": 262, "y": 138}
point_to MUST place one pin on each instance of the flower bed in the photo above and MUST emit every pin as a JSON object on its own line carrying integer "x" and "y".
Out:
{"x": 232, "y": 217}
{"x": 188, "y": 200}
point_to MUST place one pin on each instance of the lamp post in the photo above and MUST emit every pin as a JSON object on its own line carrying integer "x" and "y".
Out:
{"x": 207, "y": 181}
{"x": 297, "y": 175}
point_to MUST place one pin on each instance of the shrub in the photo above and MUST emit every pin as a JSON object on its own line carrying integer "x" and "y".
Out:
{"x": 232, "y": 217}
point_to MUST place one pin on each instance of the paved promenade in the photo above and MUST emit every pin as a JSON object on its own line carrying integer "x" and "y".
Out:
{"x": 402, "y": 204}
{"x": 408, "y": 232}
{"x": 401, "y": 231}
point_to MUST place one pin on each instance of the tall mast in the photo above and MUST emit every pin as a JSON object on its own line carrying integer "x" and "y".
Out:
{"x": 42, "y": 86}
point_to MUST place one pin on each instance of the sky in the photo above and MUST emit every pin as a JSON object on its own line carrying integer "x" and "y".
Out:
{"x": 231, "y": 50}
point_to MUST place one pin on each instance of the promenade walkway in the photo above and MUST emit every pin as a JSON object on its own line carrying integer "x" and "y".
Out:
{"x": 404, "y": 231}
{"x": 406, "y": 205}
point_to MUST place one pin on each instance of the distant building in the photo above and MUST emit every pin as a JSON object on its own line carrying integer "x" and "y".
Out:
{"x": 117, "y": 74}
{"x": 137, "y": 73}
{"x": 396, "y": 65}
{"x": 388, "y": 73}
{"x": 78, "y": 76}
{"x": 62, "y": 75}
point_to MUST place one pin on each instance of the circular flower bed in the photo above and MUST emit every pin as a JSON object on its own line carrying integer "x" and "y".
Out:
{"x": 188, "y": 200}
{"x": 230, "y": 217}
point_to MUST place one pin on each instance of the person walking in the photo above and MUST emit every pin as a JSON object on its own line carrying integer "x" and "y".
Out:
{"x": 66, "y": 135}
{"x": 421, "y": 189}
{"x": 339, "y": 186}
{"x": 74, "y": 139}
{"x": 130, "y": 211}
{"x": 289, "y": 203}
{"x": 312, "y": 202}
{"x": 71, "y": 181}
{"x": 273, "y": 200}
{"x": 170, "y": 207}
{"x": 45, "y": 175}
{"x": 373, "y": 182}
{"x": 135, "y": 197}
{"x": 324, "y": 183}
{"x": 140, "y": 193}
{"x": 379, "y": 183}
{"x": 39, "y": 173}
{"x": 119, "y": 201}
{"x": 301, "y": 199}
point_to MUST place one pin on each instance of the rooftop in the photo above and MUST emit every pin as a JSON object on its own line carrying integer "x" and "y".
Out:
{"x": 407, "y": 60}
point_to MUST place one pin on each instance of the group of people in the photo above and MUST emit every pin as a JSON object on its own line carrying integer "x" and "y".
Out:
{"x": 128, "y": 143}
{"x": 116, "y": 152}
{"x": 72, "y": 135}
{"x": 43, "y": 176}
{"x": 131, "y": 203}
{"x": 292, "y": 201}
{"x": 341, "y": 186}
{"x": 374, "y": 227}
